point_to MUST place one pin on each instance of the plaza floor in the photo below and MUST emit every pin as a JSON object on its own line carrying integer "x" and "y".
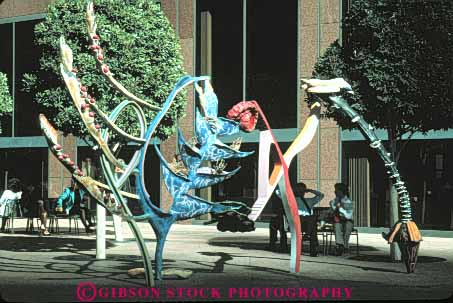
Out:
{"x": 225, "y": 266}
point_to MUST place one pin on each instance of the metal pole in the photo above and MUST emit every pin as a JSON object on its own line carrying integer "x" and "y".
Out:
{"x": 42, "y": 180}
{"x": 100, "y": 232}
{"x": 118, "y": 226}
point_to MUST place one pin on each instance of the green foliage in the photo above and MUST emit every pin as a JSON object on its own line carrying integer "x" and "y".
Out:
{"x": 6, "y": 101}
{"x": 396, "y": 56}
{"x": 140, "y": 48}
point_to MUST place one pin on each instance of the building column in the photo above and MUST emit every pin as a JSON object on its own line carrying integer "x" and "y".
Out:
{"x": 180, "y": 13}
{"x": 58, "y": 176}
{"x": 319, "y": 26}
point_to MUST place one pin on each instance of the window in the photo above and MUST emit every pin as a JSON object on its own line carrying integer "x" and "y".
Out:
{"x": 225, "y": 42}
{"x": 19, "y": 36}
{"x": 6, "y": 67}
{"x": 272, "y": 59}
{"x": 270, "y": 72}
{"x": 27, "y": 56}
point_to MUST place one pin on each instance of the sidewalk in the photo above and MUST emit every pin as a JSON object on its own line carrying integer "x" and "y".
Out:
{"x": 48, "y": 269}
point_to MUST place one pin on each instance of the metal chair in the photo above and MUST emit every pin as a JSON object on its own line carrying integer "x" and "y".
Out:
{"x": 75, "y": 220}
{"x": 354, "y": 232}
{"x": 10, "y": 208}
{"x": 29, "y": 227}
{"x": 53, "y": 223}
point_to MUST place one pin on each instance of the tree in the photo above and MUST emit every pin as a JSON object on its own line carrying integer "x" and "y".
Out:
{"x": 395, "y": 56}
{"x": 6, "y": 101}
{"x": 140, "y": 48}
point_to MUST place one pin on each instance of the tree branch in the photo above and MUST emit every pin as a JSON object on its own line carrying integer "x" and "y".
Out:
{"x": 398, "y": 153}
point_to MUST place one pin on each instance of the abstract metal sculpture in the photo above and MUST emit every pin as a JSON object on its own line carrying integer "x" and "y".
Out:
{"x": 248, "y": 112}
{"x": 405, "y": 231}
{"x": 267, "y": 185}
{"x": 185, "y": 206}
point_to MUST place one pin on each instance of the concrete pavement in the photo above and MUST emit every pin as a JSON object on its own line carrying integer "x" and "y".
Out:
{"x": 226, "y": 266}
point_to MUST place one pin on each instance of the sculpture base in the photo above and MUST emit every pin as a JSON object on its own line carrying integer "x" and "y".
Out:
{"x": 168, "y": 274}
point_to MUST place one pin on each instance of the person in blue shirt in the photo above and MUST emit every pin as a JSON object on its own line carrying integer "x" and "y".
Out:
{"x": 75, "y": 200}
{"x": 307, "y": 218}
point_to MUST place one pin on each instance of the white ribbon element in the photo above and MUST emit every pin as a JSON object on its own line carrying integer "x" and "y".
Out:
{"x": 267, "y": 185}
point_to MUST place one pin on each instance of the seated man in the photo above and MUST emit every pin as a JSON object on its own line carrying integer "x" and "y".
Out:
{"x": 75, "y": 199}
{"x": 342, "y": 207}
{"x": 308, "y": 222}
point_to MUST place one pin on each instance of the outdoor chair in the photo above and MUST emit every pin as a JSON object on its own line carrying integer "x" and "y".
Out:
{"x": 75, "y": 220}
{"x": 331, "y": 239}
{"x": 12, "y": 209}
{"x": 30, "y": 227}
{"x": 53, "y": 223}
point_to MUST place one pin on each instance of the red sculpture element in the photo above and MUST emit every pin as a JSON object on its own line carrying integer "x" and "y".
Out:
{"x": 105, "y": 68}
{"x": 247, "y": 113}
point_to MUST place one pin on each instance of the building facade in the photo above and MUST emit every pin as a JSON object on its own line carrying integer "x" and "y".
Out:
{"x": 253, "y": 50}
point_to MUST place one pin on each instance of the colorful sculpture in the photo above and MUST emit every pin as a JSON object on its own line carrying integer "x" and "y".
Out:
{"x": 405, "y": 231}
{"x": 267, "y": 185}
{"x": 188, "y": 173}
{"x": 185, "y": 206}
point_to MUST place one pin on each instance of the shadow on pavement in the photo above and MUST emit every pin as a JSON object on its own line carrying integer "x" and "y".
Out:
{"x": 387, "y": 259}
{"x": 48, "y": 244}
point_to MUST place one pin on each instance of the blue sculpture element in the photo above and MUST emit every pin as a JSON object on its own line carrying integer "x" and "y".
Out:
{"x": 208, "y": 126}
{"x": 116, "y": 171}
{"x": 186, "y": 206}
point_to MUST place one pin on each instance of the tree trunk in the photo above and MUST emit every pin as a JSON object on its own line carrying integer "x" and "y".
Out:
{"x": 395, "y": 253}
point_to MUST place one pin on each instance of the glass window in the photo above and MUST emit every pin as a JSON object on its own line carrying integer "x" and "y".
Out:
{"x": 27, "y": 60}
{"x": 272, "y": 59}
{"x": 225, "y": 42}
{"x": 29, "y": 165}
{"x": 6, "y": 67}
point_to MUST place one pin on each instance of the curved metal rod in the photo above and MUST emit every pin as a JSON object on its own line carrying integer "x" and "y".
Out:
{"x": 104, "y": 68}
{"x": 105, "y": 135}
{"x": 79, "y": 94}
{"x": 141, "y": 188}
{"x": 51, "y": 136}
{"x": 288, "y": 198}
{"x": 111, "y": 124}
{"x": 146, "y": 257}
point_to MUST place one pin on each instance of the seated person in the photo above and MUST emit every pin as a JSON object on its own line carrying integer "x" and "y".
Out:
{"x": 277, "y": 225}
{"x": 34, "y": 208}
{"x": 342, "y": 208}
{"x": 308, "y": 222}
{"x": 75, "y": 200}
{"x": 9, "y": 199}
{"x": 307, "y": 218}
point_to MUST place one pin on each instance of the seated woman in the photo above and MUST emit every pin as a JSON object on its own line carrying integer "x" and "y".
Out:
{"x": 9, "y": 199}
{"x": 75, "y": 200}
